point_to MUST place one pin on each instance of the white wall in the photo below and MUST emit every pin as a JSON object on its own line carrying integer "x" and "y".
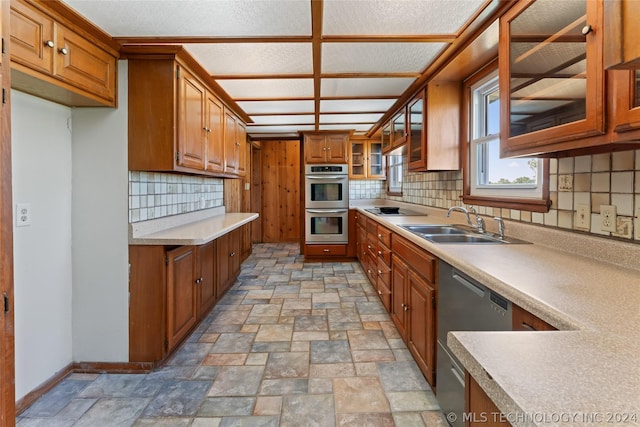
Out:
{"x": 42, "y": 169}
{"x": 100, "y": 231}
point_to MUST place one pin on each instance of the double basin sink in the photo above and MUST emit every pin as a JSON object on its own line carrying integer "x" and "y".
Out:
{"x": 456, "y": 234}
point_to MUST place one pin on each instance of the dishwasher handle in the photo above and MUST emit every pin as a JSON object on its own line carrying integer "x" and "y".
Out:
{"x": 469, "y": 285}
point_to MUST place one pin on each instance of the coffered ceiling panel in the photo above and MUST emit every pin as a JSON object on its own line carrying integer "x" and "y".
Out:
{"x": 219, "y": 18}
{"x": 397, "y": 16}
{"x": 355, "y": 105}
{"x": 276, "y": 107}
{"x": 288, "y": 63}
{"x": 349, "y": 118}
{"x": 284, "y": 119}
{"x": 268, "y": 88}
{"x": 345, "y": 87}
{"x": 253, "y": 58}
{"x": 378, "y": 57}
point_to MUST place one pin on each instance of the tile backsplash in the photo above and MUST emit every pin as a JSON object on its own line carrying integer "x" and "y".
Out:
{"x": 156, "y": 195}
{"x": 366, "y": 189}
{"x": 592, "y": 180}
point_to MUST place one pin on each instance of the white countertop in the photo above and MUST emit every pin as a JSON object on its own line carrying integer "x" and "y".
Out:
{"x": 589, "y": 373}
{"x": 196, "y": 228}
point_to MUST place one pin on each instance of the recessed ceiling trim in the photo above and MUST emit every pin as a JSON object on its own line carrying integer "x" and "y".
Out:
{"x": 426, "y": 38}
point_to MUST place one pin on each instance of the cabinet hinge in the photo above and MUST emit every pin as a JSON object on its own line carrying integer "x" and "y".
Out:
{"x": 166, "y": 345}
{"x": 433, "y": 301}
{"x": 4, "y": 96}
{"x": 166, "y": 260}
{"x": 5, "y": 299}
{"x": 178, "y": 72}
{"x": 3, "y": 47}
{"x": 177, "y": 156}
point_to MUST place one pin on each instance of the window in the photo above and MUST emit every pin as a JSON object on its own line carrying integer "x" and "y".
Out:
{"x": 489, "y": 180}
{"x": 394, "y": 175}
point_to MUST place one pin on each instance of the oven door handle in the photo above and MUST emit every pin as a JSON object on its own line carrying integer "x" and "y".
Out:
{"x": 325, "y": 177}
{"x": 326, "y": 211}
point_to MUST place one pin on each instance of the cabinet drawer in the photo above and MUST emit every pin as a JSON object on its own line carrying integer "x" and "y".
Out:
{"x": 384, "y": 253}
{"x": 384, "y": 273}
{"x": 525, "y": 321}
{"x": 362, "y": 221}
{"x": 384, "y": 235}
{"x": 422, "y": 261}
{"x": 385, "y": 295}
{"x": 372, "y": 245}
{"x": 326, "y": 250}
{"x": 371, "y": 270}
{"x": 372, "y": 227}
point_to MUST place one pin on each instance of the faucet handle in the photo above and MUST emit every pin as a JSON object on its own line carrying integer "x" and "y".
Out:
{"x": 472, "y": 210}
{"x": 500, "y": 226}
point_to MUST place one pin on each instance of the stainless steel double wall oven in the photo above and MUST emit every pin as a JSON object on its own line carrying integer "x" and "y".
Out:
{"x": 326, "y": 204}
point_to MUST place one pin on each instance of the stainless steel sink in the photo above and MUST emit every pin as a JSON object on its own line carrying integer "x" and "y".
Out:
{"x": 434, "y": 229}
{"x": 462, "y": 238}
{"x": 439, "y": 233}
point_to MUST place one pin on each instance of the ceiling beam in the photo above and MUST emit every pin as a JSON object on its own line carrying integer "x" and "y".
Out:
{"x": 210, "y": 39}
{"x": 316, "y": 44}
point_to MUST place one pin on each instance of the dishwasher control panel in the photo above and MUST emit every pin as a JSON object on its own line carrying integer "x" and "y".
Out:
{"x": 500, "y": 304}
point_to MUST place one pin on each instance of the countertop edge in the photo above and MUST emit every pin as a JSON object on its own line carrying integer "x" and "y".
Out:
{"x": 222, "y": 224}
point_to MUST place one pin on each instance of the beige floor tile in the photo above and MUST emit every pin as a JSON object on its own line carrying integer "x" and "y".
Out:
{"x": 225, "y": 359}
{"x": 269, "y": 333}
{"x": 359, "y": 395}
{"x": 268, "y": 405}
{"x": 329, "y": 370}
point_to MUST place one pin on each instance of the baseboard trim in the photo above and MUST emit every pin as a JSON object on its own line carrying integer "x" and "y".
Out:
{"x": 84, "y": 368}
{"x": 39, "y": 391}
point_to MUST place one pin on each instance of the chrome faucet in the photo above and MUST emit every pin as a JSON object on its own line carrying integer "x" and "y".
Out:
{"x": 479, "y": 221}
{"x": 500, "y": 227}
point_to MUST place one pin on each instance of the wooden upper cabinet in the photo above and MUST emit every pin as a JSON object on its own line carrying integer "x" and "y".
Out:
{"x": 32, "y": 41}
{"x": 191, "y": 115}
{"x": 231, "y": 143}
{"x": 214, "y": 127}
{"x": 326, "y": 147}
{"x": 621, "y": 35}
{"x": 434, "y": 128}
{"x": 551, "y": 76}
{"x": 386, "y": 138}
{"x": 176, "y": 123}
{"x": 48, "y": 56}
{"x": 242, "y": 149}
{"x": 399, "y": 133}
{"x": 365, "y": 159}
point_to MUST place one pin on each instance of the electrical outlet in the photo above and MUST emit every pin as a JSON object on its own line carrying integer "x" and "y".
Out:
{"x": 608, "y": 218}
{"x": 23, "y": 214}
{"x": 583, "y": 217}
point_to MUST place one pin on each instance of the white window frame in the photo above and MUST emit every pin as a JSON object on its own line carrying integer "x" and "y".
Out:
{"x": 478, "y": 150}
{"x": 394, "y": 170}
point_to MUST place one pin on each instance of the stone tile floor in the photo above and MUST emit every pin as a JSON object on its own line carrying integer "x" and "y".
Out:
{"x": 291, "y": 344}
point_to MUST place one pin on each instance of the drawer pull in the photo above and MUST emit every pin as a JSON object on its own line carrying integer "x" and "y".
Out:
{"x": 326, "y": 250}
{"x": 64, "y": 51}
{"x": 49, "y": 43}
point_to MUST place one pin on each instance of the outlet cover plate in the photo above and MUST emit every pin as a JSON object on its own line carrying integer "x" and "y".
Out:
{"x": 608, "y": 218}
{"x": 23, "y": 214}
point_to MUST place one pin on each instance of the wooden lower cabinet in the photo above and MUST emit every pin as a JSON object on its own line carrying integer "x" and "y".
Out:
{"x": 522, "y": 320}
{"x": 422, "y": 332}
{"x": 206, "y": 288}
{"x": 181, "y": 293}
{"x": 173, "y": 288}
{"x": 480, "y": 410}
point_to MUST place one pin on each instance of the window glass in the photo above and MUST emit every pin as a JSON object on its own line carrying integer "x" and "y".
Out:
{"x": 491, "y": 175}
{"x": 394, "y": 175}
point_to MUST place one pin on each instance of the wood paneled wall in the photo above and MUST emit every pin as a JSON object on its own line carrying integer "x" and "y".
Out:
{"x": 280, "y": 191}
{"x": 7, "y": 377}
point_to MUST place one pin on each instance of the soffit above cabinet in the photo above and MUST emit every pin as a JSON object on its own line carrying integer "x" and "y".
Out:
{"x": 292, "y": 65}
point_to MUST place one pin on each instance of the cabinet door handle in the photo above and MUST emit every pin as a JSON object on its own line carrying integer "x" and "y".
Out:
{"x": 49, "y": 43}
{"x": 64, "y": 51}
{"x": 380, "y": 272}
{"x": 379, "y": 252}
{"x": 586, "y": 29}
{"x": 232, "y": 254}
{"x": 379, "y": 292}
{"x": 406, "y": 308}
{"x": 528, "y": 327}
{"x": 238, "y": 144}
{"x": 326, "y": 250}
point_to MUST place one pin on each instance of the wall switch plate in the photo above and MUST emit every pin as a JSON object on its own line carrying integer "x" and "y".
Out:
{"x": 583, "y": 217}
{"x": 23, "y": 214}
{"x": 247, "y": 186}
{"x": 608, "y": 218}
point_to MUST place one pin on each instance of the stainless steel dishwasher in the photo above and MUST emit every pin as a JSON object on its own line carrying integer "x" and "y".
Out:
{"x": 463, "y": 305}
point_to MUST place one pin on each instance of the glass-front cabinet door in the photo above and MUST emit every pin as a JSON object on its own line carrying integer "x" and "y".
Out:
{"x": 357, "y": 160}
{"x": 386, "y": 138}
{"x": 626, "y": 99}
{"x": 398, "y": 130}
{"x": 417, "y": 141}
{"x": 551, "y": 74}
{"x": 376, "y": 163}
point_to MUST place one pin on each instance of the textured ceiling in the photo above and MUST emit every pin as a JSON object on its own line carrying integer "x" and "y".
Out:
{"x": 298, "y": 64}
